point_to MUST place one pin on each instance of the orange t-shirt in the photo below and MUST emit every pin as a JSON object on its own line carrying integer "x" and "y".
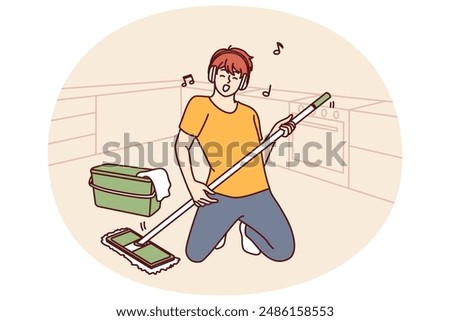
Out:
{"x": 225, "y": 139}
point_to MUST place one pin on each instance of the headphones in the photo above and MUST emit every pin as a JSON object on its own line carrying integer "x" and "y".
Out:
{"x": 212, "y": 70}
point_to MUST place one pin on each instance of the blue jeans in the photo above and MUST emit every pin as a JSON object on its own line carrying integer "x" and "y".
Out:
{"x": 267, "y": 226}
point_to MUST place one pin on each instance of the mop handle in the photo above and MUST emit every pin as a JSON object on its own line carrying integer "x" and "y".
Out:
{"x": 222, "y": 178}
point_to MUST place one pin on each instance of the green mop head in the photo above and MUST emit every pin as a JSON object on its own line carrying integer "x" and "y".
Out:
{"x": 149, "y": 258}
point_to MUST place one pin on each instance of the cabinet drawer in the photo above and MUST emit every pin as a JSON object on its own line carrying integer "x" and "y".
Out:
{"x": 74, "y": 107}
{"x": 74, "y": 127}
{"x": 71, "y": 150}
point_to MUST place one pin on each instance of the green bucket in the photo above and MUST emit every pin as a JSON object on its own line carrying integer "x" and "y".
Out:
{"x": 117, "y": 187}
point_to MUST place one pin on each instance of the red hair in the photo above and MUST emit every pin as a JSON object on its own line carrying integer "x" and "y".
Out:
{"x": 232, "y": 60}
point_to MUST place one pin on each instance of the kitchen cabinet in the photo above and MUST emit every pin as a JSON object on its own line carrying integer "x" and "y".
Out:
{"x": 375, "y": 150}
{"x": 145, "y": 116}
{"x": 363, "y": 132}
{"x": 374, "y": 174}
{"x": 72, "y": 131}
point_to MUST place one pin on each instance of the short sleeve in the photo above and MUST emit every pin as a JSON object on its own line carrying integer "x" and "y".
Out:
{"x": 194, "y": 117}
{"x": 257, "y": 126}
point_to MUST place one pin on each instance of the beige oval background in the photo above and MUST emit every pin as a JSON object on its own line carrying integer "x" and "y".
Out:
{"x": 130, "y": 83}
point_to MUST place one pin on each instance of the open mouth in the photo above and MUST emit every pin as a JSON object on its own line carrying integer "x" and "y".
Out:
{"x": 225, "y": 88}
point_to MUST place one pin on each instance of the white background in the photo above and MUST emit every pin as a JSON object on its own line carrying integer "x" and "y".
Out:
{"x": 401, "y": 275}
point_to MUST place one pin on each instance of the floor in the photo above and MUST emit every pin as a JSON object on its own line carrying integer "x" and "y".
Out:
{"x": 330, "y": 224}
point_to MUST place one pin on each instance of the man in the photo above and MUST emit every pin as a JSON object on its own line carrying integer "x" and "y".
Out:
{"x": 227, "y": 130}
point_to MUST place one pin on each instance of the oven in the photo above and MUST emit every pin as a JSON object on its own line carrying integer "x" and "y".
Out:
{"x": 319, "y": 146}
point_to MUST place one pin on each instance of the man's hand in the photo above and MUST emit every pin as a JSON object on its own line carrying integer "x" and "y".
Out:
{"x": 199, "y": 193}
{"x": 286, "y": 125}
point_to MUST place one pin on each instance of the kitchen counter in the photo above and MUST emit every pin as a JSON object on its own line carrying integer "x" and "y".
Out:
{"x": 384, "y": 108}
{"x": 112, "y": 89}
{"x": 341, "y": 102}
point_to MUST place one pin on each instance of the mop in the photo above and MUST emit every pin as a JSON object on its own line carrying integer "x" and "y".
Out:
{"x": 151, "y": 258}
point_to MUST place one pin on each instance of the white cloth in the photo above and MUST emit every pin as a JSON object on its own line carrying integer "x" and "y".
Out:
{"x": 160, "y": 180}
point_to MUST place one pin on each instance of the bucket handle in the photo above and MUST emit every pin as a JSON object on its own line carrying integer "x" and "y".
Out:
{"x": 112, "y": 191}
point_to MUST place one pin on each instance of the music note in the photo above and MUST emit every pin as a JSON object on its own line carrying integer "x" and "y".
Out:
{"x": 187, "y": 77}
{"x": 266, "y": 93}
{"x": 277, "y": 51}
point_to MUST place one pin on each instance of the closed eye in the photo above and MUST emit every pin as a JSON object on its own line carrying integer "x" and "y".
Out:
{"x": 223, "y": 76}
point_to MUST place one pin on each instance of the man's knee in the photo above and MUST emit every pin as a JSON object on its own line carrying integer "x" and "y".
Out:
{"x": 283, "y": 251}
{"x": 194, "y": 255}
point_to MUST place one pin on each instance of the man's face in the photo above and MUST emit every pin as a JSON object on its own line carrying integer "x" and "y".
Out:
{"x": 227, "y": 84}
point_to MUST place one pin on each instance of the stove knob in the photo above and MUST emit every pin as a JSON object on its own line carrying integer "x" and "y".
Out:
{"x": 336, "y": 114}
{"x": 324, "y": 112}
